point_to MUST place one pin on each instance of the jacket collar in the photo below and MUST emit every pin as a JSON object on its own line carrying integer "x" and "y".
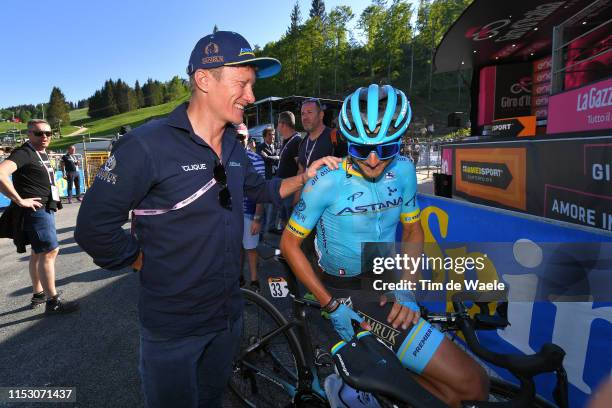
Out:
{"x": 178, "y": 119}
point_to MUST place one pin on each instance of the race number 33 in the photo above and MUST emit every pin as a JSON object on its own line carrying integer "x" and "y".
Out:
{"x": 278, "y": 287}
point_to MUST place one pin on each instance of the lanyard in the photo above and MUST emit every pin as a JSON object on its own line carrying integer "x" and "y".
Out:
{"x": 311, "y": 150}
{"x": 180, "y": 204}
{"x": 286, "y": 144}
{"x": 46, "y": 165}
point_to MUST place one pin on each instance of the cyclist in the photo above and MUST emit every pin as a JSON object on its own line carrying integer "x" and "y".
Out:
{"x": 363, "y": 202}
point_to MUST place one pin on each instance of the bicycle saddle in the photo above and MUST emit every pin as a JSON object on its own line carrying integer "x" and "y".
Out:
{"x": 366, "y": 364}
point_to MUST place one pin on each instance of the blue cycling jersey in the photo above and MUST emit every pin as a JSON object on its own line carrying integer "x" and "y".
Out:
{"x": 349, "y": 210}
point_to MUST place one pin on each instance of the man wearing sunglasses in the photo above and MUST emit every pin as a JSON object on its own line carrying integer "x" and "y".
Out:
{"x": 184, "y": 178}
{"x": 34, "y": 200}
{"x": 364, "y": 202}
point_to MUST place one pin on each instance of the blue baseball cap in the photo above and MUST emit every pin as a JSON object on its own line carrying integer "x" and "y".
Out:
{"x": 227, "y": 48}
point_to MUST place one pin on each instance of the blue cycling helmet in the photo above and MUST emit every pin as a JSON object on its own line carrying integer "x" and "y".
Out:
{"x": 375, "y": 115}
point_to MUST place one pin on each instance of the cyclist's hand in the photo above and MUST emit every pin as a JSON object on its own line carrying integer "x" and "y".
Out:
{"x": 31, "y": 203}
{"x": 405, "y": 310}
{"x": 329, "y": 161}
{"x": 342, "y": 319}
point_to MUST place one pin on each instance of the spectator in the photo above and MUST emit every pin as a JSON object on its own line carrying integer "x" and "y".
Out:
{"x": 268, "y": 151}
{"x": 183, "y": 176}
{"x": 320, "y": 141}
{"x": 252, "y": 145}
{"x": 70, "y": 167}
{"x": 287, "y": 166}
{"x": 252, "y": 215}
{"x": 30, "y": 219}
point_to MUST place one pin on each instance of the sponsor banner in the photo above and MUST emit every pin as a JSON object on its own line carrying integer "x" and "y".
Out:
{"x": 458, "y": 229}
{"x": 513, "y": 90}
{"x": 539, "y": 101}
{"x": 539, "y": 77}
{"x": 493, "y": 174}
{"x": 515, "y": 127}
{"x": 62, "y": 184}
{"x": 543, "y": 64}
{"x": 4, "y": 201}
{"x": 582, "y": 109}
{"x": 486, "y": 95}
{"x": 565, "y": 179}
{"x": 542, "y": 89}
{"x": 579, "y": 190}
{"x": 447, "y": 161}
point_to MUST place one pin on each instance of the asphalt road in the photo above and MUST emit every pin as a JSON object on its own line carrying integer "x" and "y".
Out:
{"x": 94, "y": 349}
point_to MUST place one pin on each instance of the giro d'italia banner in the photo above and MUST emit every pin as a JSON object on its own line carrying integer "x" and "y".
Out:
{"x": 556, "y": 277}
{"x": 564, "y": 179}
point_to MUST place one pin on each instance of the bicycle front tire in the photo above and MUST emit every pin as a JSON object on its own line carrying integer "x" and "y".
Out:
{"x": 267, "y": 376}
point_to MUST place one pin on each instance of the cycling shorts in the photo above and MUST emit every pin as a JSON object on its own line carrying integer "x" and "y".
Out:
{"x": 414, "y": 346}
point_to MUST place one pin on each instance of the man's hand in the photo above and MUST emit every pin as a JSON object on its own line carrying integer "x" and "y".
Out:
{"x": 342, "y": 319}
{"x": 137, "y": 265}
{"x": 31, "y": 203}
{"x": 405, "y": 310}
{"x": 255, "y": 227}
{"x": 329, "y": 161}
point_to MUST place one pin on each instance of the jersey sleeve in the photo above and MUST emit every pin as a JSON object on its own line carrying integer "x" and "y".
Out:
{"x": 410, "y": 207}
{"x": 317, "y": 195}
{"x": 20, "y": 157}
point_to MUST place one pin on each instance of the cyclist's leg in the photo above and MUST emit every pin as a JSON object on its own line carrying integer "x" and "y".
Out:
{"x": 443, "y": 368}
{"x": 454, "y": 375}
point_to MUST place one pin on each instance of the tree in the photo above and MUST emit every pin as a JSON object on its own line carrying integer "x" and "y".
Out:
{"x": 153, "y": 92}
{"x": 174, "y": 89}
{"x": 337, "y": 21}
{"x": 215, "y": 29}
{"x": 317, "y": 9}
{"x": 296, "y": 17}
{"x": 57, "y": 110}
{"x": 140, "y": 103}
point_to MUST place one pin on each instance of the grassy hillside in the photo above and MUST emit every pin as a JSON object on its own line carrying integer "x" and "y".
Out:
{"x": 4, "y": 126}
{"x": 110, "y": 126}
{"x": 78, "y": 114}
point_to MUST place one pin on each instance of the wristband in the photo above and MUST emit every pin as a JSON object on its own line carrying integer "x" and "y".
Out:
{"x": 331, "y": 306}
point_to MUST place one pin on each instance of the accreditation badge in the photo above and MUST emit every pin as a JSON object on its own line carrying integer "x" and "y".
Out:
{"x": 55, "y": 193}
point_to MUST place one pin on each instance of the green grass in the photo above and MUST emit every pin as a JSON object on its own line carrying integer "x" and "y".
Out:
{"x": 4, "y": 126}
{"x": 78, "y": 115}
{"x": 110, "y": 126}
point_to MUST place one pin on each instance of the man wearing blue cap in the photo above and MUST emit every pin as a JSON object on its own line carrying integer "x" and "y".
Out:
{"x": 184, "y": 178}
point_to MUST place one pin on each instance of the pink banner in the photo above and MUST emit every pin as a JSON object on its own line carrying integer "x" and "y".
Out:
{"x": 447, "y": 161}
{"x": 582, "y": 109}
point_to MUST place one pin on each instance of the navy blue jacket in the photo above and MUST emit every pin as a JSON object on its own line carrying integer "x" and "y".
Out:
{"x": 189, "y": 279}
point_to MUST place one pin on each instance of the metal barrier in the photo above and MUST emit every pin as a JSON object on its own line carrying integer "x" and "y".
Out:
{"x": 93, "y": 162}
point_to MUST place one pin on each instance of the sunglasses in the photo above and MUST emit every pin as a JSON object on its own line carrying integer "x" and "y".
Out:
{"x": 225, "y": 197}
{"x": 41, "y": 133}
{"x": 383, "y": 151}
{"x": 241, "y": 138}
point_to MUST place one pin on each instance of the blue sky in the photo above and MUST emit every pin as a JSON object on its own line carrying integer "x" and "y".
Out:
{"x": 78, "y": 44}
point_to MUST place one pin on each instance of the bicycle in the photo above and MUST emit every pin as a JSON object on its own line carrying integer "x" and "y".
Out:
{"x": 277, "y": 365}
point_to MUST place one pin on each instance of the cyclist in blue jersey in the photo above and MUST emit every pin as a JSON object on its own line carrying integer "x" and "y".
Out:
{"x": 363, "y": 202}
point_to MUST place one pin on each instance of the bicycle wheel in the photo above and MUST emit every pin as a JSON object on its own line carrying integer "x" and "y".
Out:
{"x": 501, "y": 391}
{"x": 266, "y": 376}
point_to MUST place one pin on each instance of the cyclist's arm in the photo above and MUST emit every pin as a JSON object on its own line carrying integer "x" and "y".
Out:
{"x": 410, "y": 217}
{"x": 405, "y": 311}
{"x": 296, "y": 196}
{"x": 316, "y": 197}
